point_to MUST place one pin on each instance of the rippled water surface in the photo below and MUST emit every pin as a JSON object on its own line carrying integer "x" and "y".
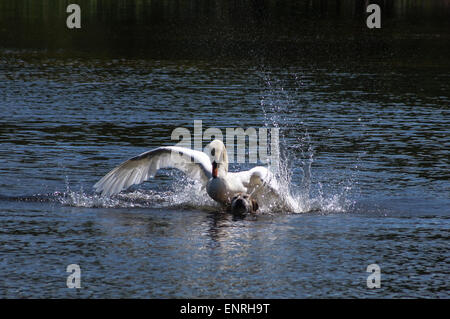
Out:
{"x": 365, "y": 148}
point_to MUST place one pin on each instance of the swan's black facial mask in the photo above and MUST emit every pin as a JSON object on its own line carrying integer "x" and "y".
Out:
{"x": 212, "y": 155}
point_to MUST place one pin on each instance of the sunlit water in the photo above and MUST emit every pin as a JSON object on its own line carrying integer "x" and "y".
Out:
{"x": 365, "y": 156}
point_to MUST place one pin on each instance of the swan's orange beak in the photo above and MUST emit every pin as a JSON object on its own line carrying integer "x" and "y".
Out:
{"x": 215, "y": 169}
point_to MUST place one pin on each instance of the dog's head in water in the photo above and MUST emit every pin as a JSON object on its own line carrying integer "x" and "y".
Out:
{"x": 242, "y": 204}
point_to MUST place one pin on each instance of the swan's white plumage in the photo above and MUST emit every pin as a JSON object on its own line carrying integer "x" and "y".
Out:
{"x": 258, "y": 181}
{"x": 138, "y": 169}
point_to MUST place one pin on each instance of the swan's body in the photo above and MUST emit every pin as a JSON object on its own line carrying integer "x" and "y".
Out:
{"x": 211, "y": 171}
{"x": 223, "y": 188}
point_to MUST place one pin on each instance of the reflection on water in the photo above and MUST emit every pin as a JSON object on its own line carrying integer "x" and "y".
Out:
{"x": 326, "y": 30}
{"x": 172, "y": 253}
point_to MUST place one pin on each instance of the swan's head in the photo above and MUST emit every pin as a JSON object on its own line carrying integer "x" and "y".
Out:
{"x": 219, "y": 157}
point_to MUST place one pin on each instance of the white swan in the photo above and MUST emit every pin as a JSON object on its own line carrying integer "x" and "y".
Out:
{"x": 220, "y": 184}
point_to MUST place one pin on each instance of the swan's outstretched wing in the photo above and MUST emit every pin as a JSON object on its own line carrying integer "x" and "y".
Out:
{"x": 264, "y": 187}
{"x": 136, "y": 170}
{"x": 259, "y": 178}
{"x": 256, "y": 179}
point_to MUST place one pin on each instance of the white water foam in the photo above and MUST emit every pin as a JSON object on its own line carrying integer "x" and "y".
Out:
{"x": 191, "y": 195}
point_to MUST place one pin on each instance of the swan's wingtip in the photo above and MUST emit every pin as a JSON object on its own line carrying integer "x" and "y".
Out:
{"x": 99, "y": 188}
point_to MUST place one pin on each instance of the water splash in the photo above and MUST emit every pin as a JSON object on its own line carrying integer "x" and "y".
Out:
{"x": 184, "y": 195}
{"x": 297, "y": 153}
{"x": 190, "y": 195}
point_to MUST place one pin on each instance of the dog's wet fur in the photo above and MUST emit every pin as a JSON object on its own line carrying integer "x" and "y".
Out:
{"x": 242, "y": 204}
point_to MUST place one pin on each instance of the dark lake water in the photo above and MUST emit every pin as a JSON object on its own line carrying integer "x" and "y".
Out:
{"x": 365, "y": 147}
{"x": 376, "y": 142}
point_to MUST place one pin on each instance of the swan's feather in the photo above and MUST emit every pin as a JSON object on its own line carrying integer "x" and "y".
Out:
{"x": 258, "y": 177}
{"x": 260, "y": 183}
{"x": 136, "y": 170}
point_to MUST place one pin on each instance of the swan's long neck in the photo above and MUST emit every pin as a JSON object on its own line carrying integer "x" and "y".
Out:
{"x": 224, "y": 162}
